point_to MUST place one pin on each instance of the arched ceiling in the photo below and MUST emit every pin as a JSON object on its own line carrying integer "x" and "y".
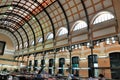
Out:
{"x": 29, "y": 20}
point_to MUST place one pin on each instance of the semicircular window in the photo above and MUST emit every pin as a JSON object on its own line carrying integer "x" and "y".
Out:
{"x": 40, "y": 40}
{"x": 62, "y": 31}
{"x": 50, "y": 36}
{"x": 25, "y": 44}
{"x": 20, "y": 46}
{"x": 79, "y": 25}
{"x": 32, "y": 43}
{"x": 16, "y": 47}
{"x": 103, "y": 16}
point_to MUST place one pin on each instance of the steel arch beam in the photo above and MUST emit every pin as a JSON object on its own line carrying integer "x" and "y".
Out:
{"x": 49, "y": 19}
{"x": 86, "y": 14}
{"x": 14, "y": 29}
{"x": 31, "y": 14}
{"x": 25, "y": 21}
{"x": 8, "y": 13}
{"x": 12, "y": 34}
{"x": 68, "y": 26}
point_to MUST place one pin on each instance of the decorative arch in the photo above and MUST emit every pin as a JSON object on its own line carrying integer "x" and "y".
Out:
{"x": 79, "y": 25}
{"x": 65, "y": 14}
{"x": 102, "y": 16}
{"x": 49, "y": 36}
{"x": 20, "y": 46}
{"x": 62, "y": 31}
{"x": 32, "y": 43}
{"x": 40, "y": 39}
{"x": 21, "y": 7}
{"x": 9, "y": 35}
{"x": 26, "y": 44}
{"x": 12, "y": 34}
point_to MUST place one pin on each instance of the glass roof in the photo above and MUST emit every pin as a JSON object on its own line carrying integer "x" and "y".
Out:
{"x": 30, "y": 20}
{"x": 24, "y": 8}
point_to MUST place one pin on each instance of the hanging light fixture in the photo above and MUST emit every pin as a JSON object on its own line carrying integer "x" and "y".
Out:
{"x": 107, "y": 41}
{"x": 80, "y": 46}
{"x": 63, "y": 49}
{"x": 113, "y": 39}
{"x": 88, "y": 45}
{"x": 97, "y": 43}
{"x": 76, "y": 46}
{"x": 72, "y": 46}
{"x": 66, "y": 49}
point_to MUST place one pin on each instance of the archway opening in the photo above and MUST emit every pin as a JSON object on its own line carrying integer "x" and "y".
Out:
{"x": 75, "y": 66}
{"x": 61, "y": 65}
{"x": 115, "y": 65}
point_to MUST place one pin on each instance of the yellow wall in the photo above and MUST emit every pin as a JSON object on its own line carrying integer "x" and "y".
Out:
{"x": 8, "y": 41}
{"x": 8, "y": 47}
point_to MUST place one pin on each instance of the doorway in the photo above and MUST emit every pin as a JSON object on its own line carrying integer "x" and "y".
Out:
{"x": 115, "y": 65}
{"x": 92, "y": 63}
{"x": 61, "y": 65}
{"x": 75, "y": 65}
{"x": 51, "y": 63}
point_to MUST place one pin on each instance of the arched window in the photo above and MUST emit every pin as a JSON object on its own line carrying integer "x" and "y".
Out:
{"x": 50, "y": 36}
{"x": 103, "y": 16}
{"x": 21, "y": 46}
{"x": 32, "y": 43}
{"x": 79, "y": 25}
{"x": 25, "y": 44}
{"x": 62, "y": 31}
{"x": 40, "y": 39}
{"x": 16, "y": 47}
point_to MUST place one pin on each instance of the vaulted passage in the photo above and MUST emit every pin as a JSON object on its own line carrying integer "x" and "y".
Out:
{"x": 79, "y": 38}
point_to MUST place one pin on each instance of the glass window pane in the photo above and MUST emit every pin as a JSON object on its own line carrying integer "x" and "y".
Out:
{"x": 62, "y": 31}
{"x": 103, "y": 17}
{"x": 50, "y": 36}
{"x": 79, "y": 25}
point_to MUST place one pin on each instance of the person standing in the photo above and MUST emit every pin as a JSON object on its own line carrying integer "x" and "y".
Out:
{"x": 101, "y": 77}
